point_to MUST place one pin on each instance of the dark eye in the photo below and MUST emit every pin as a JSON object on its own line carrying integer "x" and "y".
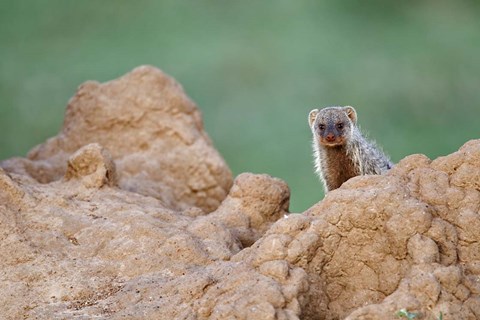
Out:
{"x": 321, "y": 127}
{"x": 340, "y": 125}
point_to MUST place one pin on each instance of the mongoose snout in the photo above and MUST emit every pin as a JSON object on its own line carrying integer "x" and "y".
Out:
{"x": 331, "y": 136}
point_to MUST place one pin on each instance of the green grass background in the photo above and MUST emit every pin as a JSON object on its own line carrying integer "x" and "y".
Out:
{"x": 255, "y": 68}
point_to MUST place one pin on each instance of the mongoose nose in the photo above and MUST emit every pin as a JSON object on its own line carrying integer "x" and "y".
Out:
{"x": 330, "y": 137}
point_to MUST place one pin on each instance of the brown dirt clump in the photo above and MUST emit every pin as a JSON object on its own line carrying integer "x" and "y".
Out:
{"x": 131, "y": 213}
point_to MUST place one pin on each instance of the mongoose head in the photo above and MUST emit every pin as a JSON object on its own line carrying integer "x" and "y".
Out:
{"x": 332, "y": 126}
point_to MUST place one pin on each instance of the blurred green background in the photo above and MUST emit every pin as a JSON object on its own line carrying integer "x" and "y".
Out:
{"x": 255, "y": 68}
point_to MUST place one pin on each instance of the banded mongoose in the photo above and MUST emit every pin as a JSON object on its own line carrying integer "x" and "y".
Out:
{"x": 340, "y": 150}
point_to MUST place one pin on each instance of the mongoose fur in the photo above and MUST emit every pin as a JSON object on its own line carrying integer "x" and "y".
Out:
{"x": 340, "y": 150}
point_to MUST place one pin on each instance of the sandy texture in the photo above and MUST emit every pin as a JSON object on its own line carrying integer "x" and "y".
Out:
{"x": 406, "y": 240}
{"x": 130, "y": 213}
{"x": 79, "y": 248}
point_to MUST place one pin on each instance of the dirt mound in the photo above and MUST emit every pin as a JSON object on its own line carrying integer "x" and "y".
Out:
{"x": 131, "y": 213}
{"x": 154, "y": 133}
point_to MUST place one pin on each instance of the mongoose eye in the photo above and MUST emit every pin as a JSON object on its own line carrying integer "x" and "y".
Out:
{"x": 321, "y": 127}
{"x": 340, "y": 125}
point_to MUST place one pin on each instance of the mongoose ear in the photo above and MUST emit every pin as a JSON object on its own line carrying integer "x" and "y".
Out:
{"x": 311, "y": 116}
{"x": 351, "y": 113}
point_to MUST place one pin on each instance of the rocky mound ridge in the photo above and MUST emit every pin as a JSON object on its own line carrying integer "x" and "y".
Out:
{"x": 130, "y": 212}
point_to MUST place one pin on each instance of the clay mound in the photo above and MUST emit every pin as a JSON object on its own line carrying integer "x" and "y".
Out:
{"x": 407, "y": 240}
{"x": 96, "y": 224}
{"x": 79, "y": 247}
{"x": 154, "y": 133}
